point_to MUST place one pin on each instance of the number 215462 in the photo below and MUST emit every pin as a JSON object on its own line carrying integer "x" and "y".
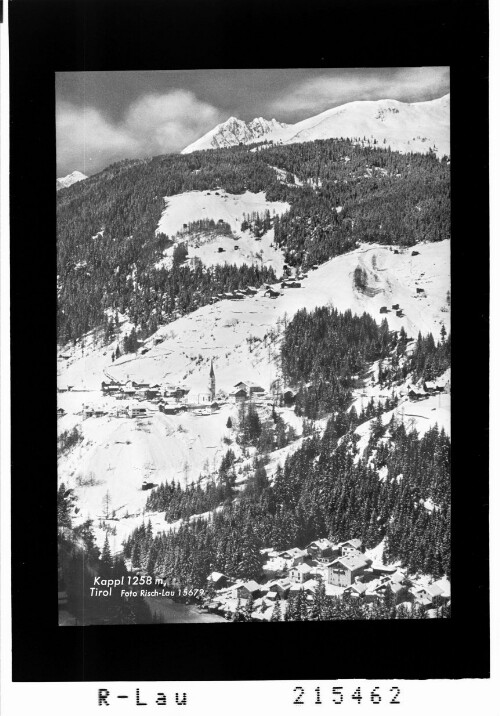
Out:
{"x": 339, "y": 695}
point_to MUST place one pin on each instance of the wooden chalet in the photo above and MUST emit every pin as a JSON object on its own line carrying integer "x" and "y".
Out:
{"x": 271, "y": 293}
{"x": 244, "y": 591}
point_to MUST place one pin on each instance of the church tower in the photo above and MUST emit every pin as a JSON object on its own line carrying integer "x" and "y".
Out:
{"x": 212, "y": 381}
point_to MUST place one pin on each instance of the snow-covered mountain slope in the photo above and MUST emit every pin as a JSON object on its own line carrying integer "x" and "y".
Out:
{"x": 69, "y": 179}
{"x": 182, "y": 350}
{"x": 235, "y": 131}
{"x": 231, "y": 208}
{"x": 405, "y": 127}
{"x": 242, "y": 338}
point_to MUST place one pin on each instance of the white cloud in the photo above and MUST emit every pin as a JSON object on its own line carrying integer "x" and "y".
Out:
{"x": 410, "y": 84}
{"x": 154, "y": 124}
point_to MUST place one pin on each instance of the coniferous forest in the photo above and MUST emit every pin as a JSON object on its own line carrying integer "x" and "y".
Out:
{"x": 341, "y": 194}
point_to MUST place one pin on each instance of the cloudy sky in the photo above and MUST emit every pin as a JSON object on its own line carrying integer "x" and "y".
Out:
{"x": 102, "y": 117}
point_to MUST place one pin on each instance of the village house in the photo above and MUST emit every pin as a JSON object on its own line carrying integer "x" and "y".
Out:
{"x": 322, "y": 550}
{"x": 352, "y": 545}
{"x": 60, "y": 412}
{"x": 128, "y": 391}
{"x": 270, "y": 293}
{"x": 169, "y": 409}
{"x": 249, "y": 387}
{"x": 445, "y": 587}
{"x": 357, "y": 589}
{"x": 420, "y": 595}
{"x": 136, "y": 411}
{"x": 280, "y": 587}
{"x": 111, "y": 387}
{"x": 247, "y": 589}
{"x": 217, "y": 580}
{"x": 415, "y": 393}
{"x": 293, "y": 556}
{"x": 238, "y": 395}
{"x": 299, "y": 573}
{"x": 310, "y": 586}
{"x": 177, "y": 392}
{"x": 343, "y": 570}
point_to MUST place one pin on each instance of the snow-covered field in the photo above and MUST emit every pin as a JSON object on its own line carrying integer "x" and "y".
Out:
{"x": 242, "y": 338}
{"x": 196, "y": 205}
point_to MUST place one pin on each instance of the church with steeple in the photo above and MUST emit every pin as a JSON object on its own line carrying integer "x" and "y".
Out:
{"x": 212, "y": 382}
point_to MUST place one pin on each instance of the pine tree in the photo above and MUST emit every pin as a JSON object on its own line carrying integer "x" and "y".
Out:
{"x": 106, "y": 559}
{"x": 249, "y": 608}
{"x": 276, "y": 615}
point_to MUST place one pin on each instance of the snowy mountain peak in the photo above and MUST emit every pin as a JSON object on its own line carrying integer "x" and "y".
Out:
{"x": 403, "y": 126}
{"x": 69, "y": 179}
{"x": 235, "y": 131}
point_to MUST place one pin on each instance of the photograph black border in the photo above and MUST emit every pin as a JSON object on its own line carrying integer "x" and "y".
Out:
{"x": 49, "y": 36}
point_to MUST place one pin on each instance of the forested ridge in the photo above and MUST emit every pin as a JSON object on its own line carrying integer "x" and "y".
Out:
{"x": 106, "y": 225}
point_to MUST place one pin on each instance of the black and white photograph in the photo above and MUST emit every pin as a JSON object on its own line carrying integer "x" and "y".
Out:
{"x": 244, "y": 328}
{"x": 254, "y": 345}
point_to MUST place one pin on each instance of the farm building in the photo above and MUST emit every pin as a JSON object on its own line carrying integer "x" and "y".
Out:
{"x": 415, "y": 393}
{"x": 395, "y": 306}
{"x": 383, "y": 309}
{"x": 343, "y": 570}
{"x": 60, "y": 412}
{"x": 420, "y": 290}
{"x": 271, "y": 293}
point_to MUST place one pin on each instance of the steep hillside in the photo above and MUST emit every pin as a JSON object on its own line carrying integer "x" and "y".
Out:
{"x": 312, "y": 201}
{"x": 243, "y": 339}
